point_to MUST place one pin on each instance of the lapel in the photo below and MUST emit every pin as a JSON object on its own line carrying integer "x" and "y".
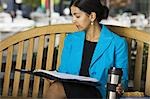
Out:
{"x": 78, "y": 49}
{"x": 103, "y": 43}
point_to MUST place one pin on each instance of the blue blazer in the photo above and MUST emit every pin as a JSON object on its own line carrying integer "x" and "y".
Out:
{"x": 111, "y": 50}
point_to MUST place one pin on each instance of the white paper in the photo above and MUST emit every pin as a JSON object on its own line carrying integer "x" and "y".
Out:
{"x": 66, "y": 76}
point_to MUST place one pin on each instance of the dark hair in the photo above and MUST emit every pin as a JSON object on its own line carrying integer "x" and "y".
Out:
{"x": 89, "y": 6}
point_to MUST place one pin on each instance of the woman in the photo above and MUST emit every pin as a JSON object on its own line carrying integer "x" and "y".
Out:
{"x": 91, "y": 52}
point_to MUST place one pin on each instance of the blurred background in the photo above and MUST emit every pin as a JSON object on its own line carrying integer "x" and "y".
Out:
{"x": 20, "y": 15}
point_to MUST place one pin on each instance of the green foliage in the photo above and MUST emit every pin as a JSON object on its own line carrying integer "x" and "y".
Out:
{"x": 1, "y": 8}
{"x": 32, "y": 3}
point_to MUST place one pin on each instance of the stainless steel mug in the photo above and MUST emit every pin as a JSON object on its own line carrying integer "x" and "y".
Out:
{"x": 114, "y": 78}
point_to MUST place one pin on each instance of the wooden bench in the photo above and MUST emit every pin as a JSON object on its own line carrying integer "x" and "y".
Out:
{"x": 41, "y": 48}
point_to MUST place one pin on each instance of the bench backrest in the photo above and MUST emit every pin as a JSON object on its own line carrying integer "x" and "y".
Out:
{"x": 41, "y": 48}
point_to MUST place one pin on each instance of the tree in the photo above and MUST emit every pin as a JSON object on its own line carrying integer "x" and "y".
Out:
{"x": 33, "y": 3}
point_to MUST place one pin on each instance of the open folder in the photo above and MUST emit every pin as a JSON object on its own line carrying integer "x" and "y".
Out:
{"x": 63, "y": 77}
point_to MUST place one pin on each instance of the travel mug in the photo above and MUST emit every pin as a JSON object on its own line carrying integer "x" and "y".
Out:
{"x": 114, "y": 78}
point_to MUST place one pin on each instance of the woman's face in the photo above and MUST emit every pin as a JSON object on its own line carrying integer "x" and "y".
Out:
{"x": 80, "y": 18}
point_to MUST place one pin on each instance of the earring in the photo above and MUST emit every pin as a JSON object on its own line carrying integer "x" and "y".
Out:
{"x": 92, "y": 23}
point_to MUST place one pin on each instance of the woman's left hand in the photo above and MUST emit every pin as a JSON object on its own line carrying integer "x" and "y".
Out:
{"x": 119, "y": 89}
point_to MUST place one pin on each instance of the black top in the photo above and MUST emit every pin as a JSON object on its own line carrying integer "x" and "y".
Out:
{"x": 78, "y": 90}
{"x": 88, "y": 51}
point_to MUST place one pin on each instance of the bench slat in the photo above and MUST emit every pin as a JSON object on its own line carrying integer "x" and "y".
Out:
{"x": 147, "y": 84}
{"x": 138, "y": 66}
{"x": 18, "y": 66}
{"x": 38, "y": 65}
{"x": 28, "y": 67}
{"x": 7, "y": 71}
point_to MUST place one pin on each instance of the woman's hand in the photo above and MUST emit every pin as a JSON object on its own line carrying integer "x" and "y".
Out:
{"x": 119, "y": 89}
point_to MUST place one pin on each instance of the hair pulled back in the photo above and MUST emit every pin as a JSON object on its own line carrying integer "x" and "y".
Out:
{"x": 89, "y": 6}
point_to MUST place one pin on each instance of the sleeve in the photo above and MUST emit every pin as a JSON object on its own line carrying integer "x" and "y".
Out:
{"x": 121, "y": 60}
{"x": 65, "y": 54}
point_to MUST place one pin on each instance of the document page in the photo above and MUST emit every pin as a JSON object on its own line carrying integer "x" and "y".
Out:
{"x": 65, "y": 76}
